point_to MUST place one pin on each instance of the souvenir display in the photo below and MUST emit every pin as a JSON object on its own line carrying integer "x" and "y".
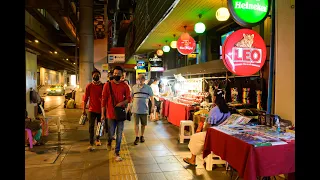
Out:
{"x": 234, "y": 95}
{"x": 256, "y": 135}
{"x": 259, "y": 93}
{"x": 245, "y": 95}
{"x": 262, "y": 117}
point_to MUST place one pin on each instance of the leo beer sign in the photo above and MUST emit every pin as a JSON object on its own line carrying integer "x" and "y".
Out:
{"x": 244, "y": 52}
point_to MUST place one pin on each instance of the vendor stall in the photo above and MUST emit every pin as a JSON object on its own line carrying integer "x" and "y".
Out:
{"x": 254, "y": 151}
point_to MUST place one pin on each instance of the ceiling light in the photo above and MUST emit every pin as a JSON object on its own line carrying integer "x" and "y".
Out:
{"x": 55, "y": 52}
{"x": 166, "y": 48}
{"x": 199, "y": 27}
{"x": 29, "y": 41}
{"x": 74, "y": 63}
{"x": 36, "y": 41}
{"x": 159, "y": 52}
{"x": 173, "y": 43}
{"x": 67, "y": 59}
{"x": 50, "y": 52}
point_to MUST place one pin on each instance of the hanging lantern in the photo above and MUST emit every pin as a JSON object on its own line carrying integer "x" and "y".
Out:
{"x": 199, "y": 27}
{"x": 222, "y": 14}
{"x": 159, "y": 52}
{"x": 185, "y": 36}
{"x": 173, "y": 44}
{"x": 166, "y": 48}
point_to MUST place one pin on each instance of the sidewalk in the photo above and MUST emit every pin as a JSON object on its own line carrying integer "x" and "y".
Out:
{"x": 65, "y": 155}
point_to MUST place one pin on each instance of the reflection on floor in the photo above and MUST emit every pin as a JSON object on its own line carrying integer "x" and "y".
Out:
{"x": 65, "y": 155}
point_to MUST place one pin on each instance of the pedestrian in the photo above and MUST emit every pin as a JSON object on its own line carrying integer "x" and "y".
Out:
{"x": 93, "y": 93}
{"x": 117, "y": 96}
{"x": 156, "y": 93}
{"x": 141, "y": 93}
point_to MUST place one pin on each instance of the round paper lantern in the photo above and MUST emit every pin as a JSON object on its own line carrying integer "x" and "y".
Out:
{"x": 199, "y": 27}
{"x": 166, "y": 48}
{"x": 222, "y": 14}
{"x": 185, "y": 36}
{"x": 173, "y": 44}
{"x": 159, "y": 52}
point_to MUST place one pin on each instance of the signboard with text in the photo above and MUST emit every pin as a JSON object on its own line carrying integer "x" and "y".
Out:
{"x": 116, "y": 58}
{"x": 186, "y": 46}
{"x": 244, "y": 52}
{"x": 249, "y": 13}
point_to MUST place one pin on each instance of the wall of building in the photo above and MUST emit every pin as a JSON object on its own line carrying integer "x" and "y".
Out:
{"x": 285, "y": 60}
{"x": 31, "y": 81}
{"x": 50, "y": 77}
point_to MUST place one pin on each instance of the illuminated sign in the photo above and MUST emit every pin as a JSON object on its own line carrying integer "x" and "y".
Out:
{"x": 244, "y": 52}
{"x": 249, "y": 13}
{"x": 156, "y": 69}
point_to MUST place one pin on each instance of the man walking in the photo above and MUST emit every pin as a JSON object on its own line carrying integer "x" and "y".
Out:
{"x": 141, "y": 94}
{"x": 94, "y": 93}
{"x": 119, "y": 95}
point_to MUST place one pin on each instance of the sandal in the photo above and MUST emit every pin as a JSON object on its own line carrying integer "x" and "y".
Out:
{"x": 187, "y": 160}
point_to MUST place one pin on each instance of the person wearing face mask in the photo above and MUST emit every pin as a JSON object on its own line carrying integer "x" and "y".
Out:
{"x": 141, "y": 93}
{"x": 94, "y": 93}
{"x": 120, "y": 93}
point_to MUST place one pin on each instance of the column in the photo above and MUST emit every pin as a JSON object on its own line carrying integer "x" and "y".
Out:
{"x": 86, "y": 43}
{"x": 285, "y": 60}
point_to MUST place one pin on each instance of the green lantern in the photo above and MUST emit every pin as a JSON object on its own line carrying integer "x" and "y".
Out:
{"x": 166, "y": 48}
{"x": 199, "y": 27}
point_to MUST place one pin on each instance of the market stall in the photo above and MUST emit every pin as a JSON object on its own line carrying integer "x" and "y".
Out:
{"x": 254, "y": 151}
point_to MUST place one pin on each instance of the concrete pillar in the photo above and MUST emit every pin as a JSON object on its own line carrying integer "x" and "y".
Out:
{"x": 86, "y": 53}
{"x": 285, "y": 60}
{"x": 86, "y": 43}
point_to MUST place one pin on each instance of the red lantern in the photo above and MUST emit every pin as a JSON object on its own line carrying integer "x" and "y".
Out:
{"x": 185, "y": 36}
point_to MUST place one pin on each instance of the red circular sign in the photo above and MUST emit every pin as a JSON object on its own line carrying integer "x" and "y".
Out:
{"x": 244, "y": 52}
{"x": 187, "y": 46}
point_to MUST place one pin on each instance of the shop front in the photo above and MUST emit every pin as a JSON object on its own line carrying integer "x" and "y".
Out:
{"x": 246, "y": 60}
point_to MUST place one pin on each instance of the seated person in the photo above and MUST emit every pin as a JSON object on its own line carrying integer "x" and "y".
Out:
{"x": 34, "y": 126}
{"x": 217, "y": 116}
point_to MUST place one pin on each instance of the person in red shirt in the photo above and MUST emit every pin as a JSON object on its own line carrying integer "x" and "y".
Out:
{"x": 121, "y": 94}
{"x": 93, "y": 93}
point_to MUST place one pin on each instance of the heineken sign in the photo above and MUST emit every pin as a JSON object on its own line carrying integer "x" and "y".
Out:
{"x": 249, "y": 13}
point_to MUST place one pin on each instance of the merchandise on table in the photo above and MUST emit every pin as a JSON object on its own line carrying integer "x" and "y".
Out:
{"x": 257, "y": 135}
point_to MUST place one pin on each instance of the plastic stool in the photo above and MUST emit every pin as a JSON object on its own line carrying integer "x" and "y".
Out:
{"x": 29, "y": 133}
{"x": 184, "y": 123}
{"x": 210, "y": 161}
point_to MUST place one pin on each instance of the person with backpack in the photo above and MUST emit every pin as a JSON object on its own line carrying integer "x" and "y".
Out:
{"x": 93, "y": 93}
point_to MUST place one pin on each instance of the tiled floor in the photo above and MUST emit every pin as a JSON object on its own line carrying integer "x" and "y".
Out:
{"x": 65, "y": 155}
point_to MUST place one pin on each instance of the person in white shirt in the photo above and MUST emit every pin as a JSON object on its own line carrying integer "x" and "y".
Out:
{"x": 156, "y": 94}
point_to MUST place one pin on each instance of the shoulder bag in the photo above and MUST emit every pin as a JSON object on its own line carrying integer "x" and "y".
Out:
{"x": 119, "y": 112}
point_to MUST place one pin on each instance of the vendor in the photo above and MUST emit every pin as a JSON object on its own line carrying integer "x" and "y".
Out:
{"x": 217, "y": 116}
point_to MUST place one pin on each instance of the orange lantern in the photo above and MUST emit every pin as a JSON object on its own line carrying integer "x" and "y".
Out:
{"x": 185, "y": 36}
{"x": 159, "y": 52}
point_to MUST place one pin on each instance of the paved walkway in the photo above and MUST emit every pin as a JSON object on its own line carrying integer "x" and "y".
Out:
{"x": 65, "y": 155}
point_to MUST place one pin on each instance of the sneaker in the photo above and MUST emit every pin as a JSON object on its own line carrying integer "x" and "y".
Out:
{"x": 114, "y": 137}
{"x": 136, "y": 141}
{"x": 98, "y": 143}
{"x": 91, "y": 148}
{"x": 141, "y": 139}
{"x": 118, "y": 158}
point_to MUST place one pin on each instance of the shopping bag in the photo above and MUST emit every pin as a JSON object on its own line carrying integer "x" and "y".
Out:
{"x": 83, "y": 119}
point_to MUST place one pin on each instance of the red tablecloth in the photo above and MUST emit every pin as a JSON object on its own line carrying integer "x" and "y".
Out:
{"x": 165, "y": 107}
{"x": 249, "y": 161}
{"x": 178, "y": 112}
